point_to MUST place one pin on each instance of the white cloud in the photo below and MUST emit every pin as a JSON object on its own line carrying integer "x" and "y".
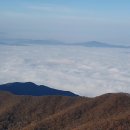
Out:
{"x": 86, "y": 71}
{"x": 51, "y": 8}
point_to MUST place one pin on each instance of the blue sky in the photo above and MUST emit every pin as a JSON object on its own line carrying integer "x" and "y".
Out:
{"x": 66, "y": 20}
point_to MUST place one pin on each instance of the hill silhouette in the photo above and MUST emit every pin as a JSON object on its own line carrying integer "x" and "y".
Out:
{"x": 25, "y": 42}
{"x": 105, "y": 112}
{"x": 29, "y": 88}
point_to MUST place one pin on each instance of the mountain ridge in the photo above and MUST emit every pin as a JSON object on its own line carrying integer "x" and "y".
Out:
{"x": 29, "y": 88}
{"x": 101, "y": 45}
{"x": 21, "y": 42}
{"x": 105, "y": 112}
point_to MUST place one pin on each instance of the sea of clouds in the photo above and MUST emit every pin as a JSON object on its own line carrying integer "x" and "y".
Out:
{"x": 83, "y": 70}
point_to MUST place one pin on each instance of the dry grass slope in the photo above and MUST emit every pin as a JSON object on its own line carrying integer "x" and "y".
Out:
{"x": 106, "y": 112}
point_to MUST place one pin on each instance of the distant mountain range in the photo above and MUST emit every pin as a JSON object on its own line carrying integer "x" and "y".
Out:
{"x": 30, "y": 88}
{"x": 22, "y": 42}
{"x": 29, "y": 42}
{"x": 101, "y": 45}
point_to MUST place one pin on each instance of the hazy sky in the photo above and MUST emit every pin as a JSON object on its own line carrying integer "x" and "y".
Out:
{"x": 66, "y": 20}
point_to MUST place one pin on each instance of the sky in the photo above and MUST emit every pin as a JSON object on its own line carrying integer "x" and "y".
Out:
{"x": 83, "y": 70}
{"x": 66, "y": 20}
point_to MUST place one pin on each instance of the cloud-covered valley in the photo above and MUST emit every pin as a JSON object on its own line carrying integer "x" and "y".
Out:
{"x": 83, "y": 70}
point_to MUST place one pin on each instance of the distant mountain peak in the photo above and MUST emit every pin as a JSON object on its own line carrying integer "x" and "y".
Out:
{"x": 29, "y": 88}
{"x": 101, "y": 44}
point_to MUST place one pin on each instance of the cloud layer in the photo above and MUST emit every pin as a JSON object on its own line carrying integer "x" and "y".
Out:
{"x": 86, "y": 71}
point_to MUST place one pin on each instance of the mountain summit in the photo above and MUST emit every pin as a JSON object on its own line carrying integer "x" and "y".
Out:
{"x": 30, "y": 88}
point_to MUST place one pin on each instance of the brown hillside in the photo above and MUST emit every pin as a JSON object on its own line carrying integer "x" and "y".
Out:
{"x": 106, "y": 112}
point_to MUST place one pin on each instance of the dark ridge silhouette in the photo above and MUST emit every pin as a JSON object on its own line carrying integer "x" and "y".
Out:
{"x": 105, "y": 112}
{"x": 29, "y": 88}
